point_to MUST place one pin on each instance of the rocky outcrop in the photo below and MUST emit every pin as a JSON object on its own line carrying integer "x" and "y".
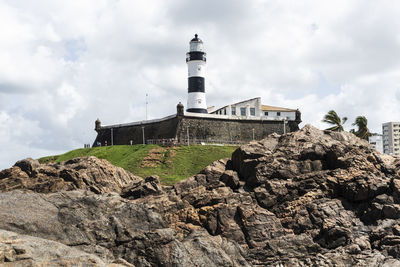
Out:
{"x": 93, "y": 174}
{"x": 308, "y": 198}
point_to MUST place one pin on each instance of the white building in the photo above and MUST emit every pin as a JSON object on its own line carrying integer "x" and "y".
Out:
{"x": 376, "y": 141}
{"x": 391, "y": 138}
{"x": 253, "y": 109}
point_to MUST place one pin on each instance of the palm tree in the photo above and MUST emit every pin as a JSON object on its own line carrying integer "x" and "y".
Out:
{"x": 363, "y": 131}
{"x": 332, "y": 118}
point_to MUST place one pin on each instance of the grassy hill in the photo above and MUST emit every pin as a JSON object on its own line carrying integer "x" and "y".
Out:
{"x": 171, "y": 164}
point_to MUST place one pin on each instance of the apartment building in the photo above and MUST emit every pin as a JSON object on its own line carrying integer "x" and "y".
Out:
{"x": 376, "y": 141}
{"x": 391, "y": 138}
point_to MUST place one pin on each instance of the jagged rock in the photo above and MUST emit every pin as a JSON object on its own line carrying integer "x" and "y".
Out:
{"x": 230, "y": 178}
{"x": 213, "y": 173}
{"x": 28, "y": 166}
{"x": 96, "y": 175}
{"x": 150, "y": 186}
{"x": 307, "y": 198}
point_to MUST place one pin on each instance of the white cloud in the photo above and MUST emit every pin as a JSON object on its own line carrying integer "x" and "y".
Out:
{"x": 65, "y": 63}
{"x": 17, "y": 135}
{"x": 71, "y": 103}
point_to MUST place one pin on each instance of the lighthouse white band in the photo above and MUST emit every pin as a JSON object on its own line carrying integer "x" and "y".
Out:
{"x": 196, "y": 68}
{"x": 197, "y": 100}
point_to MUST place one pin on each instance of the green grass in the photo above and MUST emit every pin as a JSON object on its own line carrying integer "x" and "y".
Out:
{"x": 176, "y": 163}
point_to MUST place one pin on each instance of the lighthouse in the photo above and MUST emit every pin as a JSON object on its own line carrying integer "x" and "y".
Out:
{"x": 196, "y": 61}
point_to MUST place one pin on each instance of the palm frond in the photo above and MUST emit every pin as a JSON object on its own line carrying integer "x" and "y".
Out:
{"x": 333, "y": 128}
{"x": 332, "y": 118}
{"x": 363, "y": 132}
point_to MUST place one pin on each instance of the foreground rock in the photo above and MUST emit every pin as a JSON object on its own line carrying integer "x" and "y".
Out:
{"x": 111, "y": 227}
{"x": 309, "y": 198}
{"x": 23, "y": 250}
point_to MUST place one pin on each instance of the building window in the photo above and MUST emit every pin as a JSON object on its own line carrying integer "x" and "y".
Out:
{"x": 266, "y": 113}
{"x": 278, "y": 114}
{"x": 252, "y": 111}
{"x": 233, "y": 110}
{"x": 243, "y": 111}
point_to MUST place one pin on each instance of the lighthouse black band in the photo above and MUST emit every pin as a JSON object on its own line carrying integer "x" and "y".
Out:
{"x": 197, "y": 110}
{"x": 196, "y": 84}
{"x": 195, "y": 55}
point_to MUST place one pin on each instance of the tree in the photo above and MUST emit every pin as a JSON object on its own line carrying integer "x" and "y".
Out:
{"x": 332, "y": 118}
{"x": 363, "y": 132}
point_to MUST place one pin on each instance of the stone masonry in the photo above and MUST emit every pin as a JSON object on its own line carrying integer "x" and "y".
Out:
{"x": 199, "y": 129}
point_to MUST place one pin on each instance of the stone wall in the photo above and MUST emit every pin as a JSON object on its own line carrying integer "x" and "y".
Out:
{"x": 122, "y": 135}
{"x": 199, "y": 129}
{"x": 229, "y": 130}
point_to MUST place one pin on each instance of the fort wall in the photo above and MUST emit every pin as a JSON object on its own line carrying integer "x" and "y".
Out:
{"x": 229, "y": 130}
{"x": 198, "y": 128}
{"x": 124, "y": 134}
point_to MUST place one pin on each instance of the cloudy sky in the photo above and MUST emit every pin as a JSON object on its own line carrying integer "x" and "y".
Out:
{"x": 63, "y": 64}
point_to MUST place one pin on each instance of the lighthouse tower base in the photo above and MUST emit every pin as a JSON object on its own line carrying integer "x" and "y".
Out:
{"x": 197, "y": 102}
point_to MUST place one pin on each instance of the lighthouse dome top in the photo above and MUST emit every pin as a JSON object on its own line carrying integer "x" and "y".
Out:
{"x": 196, "y": 39}
{"x": 196, "y": 44}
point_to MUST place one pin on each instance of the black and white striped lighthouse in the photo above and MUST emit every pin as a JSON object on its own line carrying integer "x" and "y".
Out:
{"x": 196, "y": 61}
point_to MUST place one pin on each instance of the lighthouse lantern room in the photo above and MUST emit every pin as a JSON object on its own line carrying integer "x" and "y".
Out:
{"x": 196, "y": 61}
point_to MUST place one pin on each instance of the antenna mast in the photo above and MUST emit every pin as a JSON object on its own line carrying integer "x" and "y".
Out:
{"x": 146, "y": 105}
